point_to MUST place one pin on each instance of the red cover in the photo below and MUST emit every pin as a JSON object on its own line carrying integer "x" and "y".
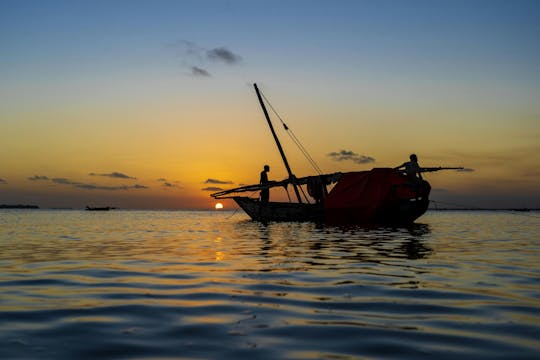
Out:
{"x": 361, "y": 196}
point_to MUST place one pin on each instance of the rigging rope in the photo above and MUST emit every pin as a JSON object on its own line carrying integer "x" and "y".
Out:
{"x": 301, "y": 147}
{"x": 238, "y": 209}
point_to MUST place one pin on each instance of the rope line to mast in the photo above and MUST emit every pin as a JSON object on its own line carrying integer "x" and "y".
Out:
{"x": 301, "y": 147}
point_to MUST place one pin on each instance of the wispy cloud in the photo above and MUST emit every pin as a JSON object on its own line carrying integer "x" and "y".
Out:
{"x": 216, "y": 181}
{"x": 63, "y": 181}
{"x": 169, "y": 184}
{"x": 531, "y": 173}
{"x": 224, "y": 55}
{"x": 109, "y": 188}
{"x": 79, "y": 185}
{"x": 347, "y": 155}
{"x": 212, "y": 188}
{"x": 38, "y": 178}
{"x": 188, "y": 49}
{"x": 197, "y": 71}
{"x": 114, "y": 175}
{"x": 2, "y": 181}
{"x": 197, "y": 58}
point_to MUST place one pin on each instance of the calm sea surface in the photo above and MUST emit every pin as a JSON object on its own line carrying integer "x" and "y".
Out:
{"x": 196, "y": 285}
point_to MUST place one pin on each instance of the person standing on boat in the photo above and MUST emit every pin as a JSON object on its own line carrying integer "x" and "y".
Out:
{"x": 265, "y": 193}
{"x": 412, "y": 169}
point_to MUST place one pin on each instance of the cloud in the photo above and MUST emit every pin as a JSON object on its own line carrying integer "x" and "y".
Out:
{"x": 465, "y": 170}
{"x": 216, "y": 181}
{"x": 109, "y": 188}
{"x": 114, "y": 175}
{"x": 38, "y": 178}
{"x": 188, "y": 49}
{"x": 64, "y": 181}
{"x": 199, "y": 72}
{"x": 223, "y": 54}
{"x": 196, "y": 58}
{"x": 169, "y": 184}
{"x": 138, "y": 186}
{"x": 531, "y": 173}
{"x": 2, "y": 181}
{"x": 212, "y": 188}
{"x": 347, "y": 155}
{"x": 98, "y": 187}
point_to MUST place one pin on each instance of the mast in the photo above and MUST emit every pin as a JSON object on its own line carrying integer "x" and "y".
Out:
{"x": 291, "y": 175}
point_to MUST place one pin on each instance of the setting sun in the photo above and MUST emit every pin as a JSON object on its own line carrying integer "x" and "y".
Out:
{"x": 219, "y": 206}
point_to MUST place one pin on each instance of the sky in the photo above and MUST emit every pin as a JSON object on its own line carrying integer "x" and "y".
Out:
{"x": 150, "y": 104}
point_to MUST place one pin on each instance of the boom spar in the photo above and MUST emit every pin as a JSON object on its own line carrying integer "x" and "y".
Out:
{"x": 431, "y": 169}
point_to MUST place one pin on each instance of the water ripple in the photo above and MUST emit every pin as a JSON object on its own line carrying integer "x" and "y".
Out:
{"x": 196, "y": 285}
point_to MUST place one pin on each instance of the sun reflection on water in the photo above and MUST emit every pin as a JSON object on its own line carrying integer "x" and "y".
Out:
{"x": 224, "y": 285}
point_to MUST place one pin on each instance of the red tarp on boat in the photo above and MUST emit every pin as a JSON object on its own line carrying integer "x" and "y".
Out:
{"x": 362, "y": 196}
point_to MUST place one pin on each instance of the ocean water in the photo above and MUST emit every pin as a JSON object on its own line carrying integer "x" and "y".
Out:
{"x": 214, "y": 285}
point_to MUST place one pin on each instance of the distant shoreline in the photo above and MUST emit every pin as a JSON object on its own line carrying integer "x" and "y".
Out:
{"x": 18, "y": 206}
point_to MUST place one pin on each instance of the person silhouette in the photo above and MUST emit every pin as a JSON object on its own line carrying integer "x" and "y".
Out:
{"x": 412, "y": 169}
{"x": 265, "y": 193}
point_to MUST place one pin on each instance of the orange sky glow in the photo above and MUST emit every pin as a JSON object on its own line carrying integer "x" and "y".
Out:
{"x": 152, "y": 106}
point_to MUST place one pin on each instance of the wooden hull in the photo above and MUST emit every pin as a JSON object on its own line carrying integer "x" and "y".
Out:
{"x": 279, "y": 211}
{"x": 403, "y": 212}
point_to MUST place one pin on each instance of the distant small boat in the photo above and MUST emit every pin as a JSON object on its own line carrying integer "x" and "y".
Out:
{"x": 107, "y": 208}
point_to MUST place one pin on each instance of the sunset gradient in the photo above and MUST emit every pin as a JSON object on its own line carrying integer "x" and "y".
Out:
{"x": 150, "y": 104}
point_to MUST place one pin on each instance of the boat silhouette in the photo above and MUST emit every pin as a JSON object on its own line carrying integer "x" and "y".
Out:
{"x": 376, "y": 196}
{"x": 106, "y": 208}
